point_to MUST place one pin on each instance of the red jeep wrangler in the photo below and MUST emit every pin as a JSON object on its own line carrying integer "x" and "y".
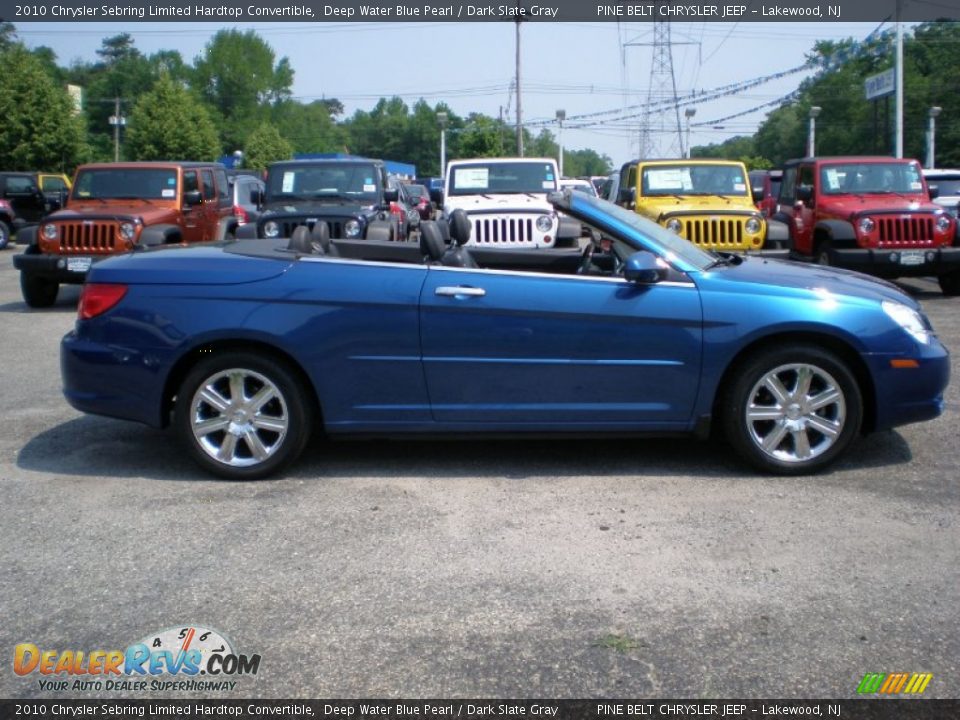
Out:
{"x": 872, "y": 214}
{"x": 118, "y": 207}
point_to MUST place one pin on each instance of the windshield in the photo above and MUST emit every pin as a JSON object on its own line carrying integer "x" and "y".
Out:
{"x": 479, "y": 178}
{"x": 948, "y": 186}
{"x": 417, "y": 191}
{"x": 860, "y": 178}
{"x": 126, "y": 183}
{"x": 640, "y": 233}
{"x": 584, "y": 187}
{"x": 666, "y": 180}
{"x": 354, "y": 181}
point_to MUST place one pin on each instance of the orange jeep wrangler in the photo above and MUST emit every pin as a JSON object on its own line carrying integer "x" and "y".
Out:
{"x": 118, "y": 207}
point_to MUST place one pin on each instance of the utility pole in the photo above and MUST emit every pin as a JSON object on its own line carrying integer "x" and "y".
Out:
{"x": 519, "y": 112}
{"x": 898, "y": 142}
{"x": 116, "y": 120}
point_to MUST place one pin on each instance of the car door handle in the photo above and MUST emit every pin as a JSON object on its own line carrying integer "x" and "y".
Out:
{"x": 460, "y": 291}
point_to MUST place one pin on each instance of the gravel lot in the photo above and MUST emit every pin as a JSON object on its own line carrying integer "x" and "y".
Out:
{"x": 620, "y": 568}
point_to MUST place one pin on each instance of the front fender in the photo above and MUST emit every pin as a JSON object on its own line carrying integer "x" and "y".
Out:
{"x": 838, "y": 231}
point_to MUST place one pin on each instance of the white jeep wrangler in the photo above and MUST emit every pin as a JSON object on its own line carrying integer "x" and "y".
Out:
{"x": 505, "y": 199}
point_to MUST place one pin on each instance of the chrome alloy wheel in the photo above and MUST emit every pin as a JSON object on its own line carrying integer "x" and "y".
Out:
{"x": 239, "y": 417}
{"x": 795, "y": 412}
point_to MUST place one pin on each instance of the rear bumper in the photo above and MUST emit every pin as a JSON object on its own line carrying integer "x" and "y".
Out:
{"x": 890, "y": 263}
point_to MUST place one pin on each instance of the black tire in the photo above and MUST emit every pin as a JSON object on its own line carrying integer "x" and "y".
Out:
{"x": 950, "y": 283}
{"x": 38, "y": 292}
{"x": 823, "y": 254}
{"x": 286, "y": 417}
{"x": 794, "y": 435}
{"x": 4, "y": 235}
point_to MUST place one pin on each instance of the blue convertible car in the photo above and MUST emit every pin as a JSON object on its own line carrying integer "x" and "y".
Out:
{"x": 247, "y": 347}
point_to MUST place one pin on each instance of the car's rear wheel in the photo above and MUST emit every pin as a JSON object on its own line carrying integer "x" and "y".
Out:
{"x": 792, "y": 410}
{"x": 243, "y": 416}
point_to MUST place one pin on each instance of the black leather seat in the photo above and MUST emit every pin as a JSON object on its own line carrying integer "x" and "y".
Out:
{"x": 432, "y": 246}
{"x": 300, "y": 241}
{"x": 457, "y": 255}
{"x": 320, "y": 239}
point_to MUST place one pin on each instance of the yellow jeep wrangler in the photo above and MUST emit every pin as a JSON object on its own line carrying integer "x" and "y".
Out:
{"x": 708, "y": 202}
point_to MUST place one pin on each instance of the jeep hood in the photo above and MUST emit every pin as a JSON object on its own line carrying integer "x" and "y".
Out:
{"x": 151, "y": 213}
{"x": 850, "y": 205}
{"x": 696, "y": 204}
{"x": 192, "y": 265}
{"x": 493, "y": 203}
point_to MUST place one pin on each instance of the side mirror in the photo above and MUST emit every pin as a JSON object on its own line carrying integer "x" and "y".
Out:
{"x": 192, "y": 197}
{"x": 804, "y": 194}
{"x": 644, "y": 268}
{"x": 934, "y": 191}
{"x": 390, "y": 195}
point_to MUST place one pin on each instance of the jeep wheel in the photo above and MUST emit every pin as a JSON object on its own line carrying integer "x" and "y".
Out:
{"x": 38, "y": 292}
{"x": 823, "y": 254}
{"x": 792, "y": 410}
{"x": 242, "y": 415}
{"x": 950, "y": 283}
{"x": 4, "y": 234}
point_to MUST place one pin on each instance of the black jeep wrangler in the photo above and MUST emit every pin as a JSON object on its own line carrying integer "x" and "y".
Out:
{"x": 353, "y": 196}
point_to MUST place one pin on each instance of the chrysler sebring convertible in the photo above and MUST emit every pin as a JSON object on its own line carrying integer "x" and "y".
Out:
{"x": 248, "y": 349}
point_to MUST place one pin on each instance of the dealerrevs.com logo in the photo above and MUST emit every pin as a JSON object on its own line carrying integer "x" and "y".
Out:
{"x": 191, "y": 657}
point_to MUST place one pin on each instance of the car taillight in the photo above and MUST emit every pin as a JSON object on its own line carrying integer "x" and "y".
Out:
{"x": 97, "y": 298}
{"x": 396, "y": 209}
{"x": 241, "y": 215}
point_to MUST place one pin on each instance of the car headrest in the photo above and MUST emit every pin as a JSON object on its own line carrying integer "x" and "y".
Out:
{"x": 431, "y": 240}
{"x": 460, "y": 227}
{"x": 320, "y": 236}
{"x": 300, "y": 241}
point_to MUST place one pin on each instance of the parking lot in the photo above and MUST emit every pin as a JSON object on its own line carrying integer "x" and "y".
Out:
{"x": 612, "y": 568}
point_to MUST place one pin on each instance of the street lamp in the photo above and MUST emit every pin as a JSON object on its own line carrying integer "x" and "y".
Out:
{"x": 561, "y": 116}
{"x": 688, "y": 114}
{"x": 812, "y": 135}
{"x": 932, "y": 114}
{"x": 442, "y": 120}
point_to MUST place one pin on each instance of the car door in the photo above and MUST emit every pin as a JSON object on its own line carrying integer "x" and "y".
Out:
{"x": 518, "y": 348}
{"x": 193, "y": 225}
{"x": 24, "y": 195}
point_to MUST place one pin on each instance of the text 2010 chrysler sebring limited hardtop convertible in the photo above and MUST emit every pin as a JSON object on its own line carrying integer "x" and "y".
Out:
{"x": 247, "y": 347}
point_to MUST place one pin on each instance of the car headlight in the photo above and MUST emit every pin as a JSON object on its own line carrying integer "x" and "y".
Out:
{"x": 351, "y": 229}
{"x": 271, "y": 229}
{"x": 866, "y": 225}
{"x": 753, "y": 225}
{"x": 674, "y": 225}
{"x": 127, "y": 231}
{"x": 544, "y": 223}
{"x": 907, "y": 318}
{"x": 943, "y": 223}
{"x": 50, "y": 232}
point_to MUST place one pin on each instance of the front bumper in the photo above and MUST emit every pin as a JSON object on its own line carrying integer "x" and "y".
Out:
{"x": 897, "y": 262}
{"x": 61, "y": 268}
{"x": 909, "y": 395}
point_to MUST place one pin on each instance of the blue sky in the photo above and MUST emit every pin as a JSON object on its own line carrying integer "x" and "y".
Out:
{"x": 582, "y": 68}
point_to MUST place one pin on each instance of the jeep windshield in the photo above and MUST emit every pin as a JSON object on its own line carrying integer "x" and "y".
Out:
{"x": 692, "y": 179}
{"x": 327, "y": 181}
{"x": 875, "y": 177}
{"x": 480, "y": 178}
{"x": 126, "y": 184}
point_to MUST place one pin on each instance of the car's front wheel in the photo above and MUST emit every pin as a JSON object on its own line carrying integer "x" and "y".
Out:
{"x": 792, "y": 410}
{"x": 38, "y": 292}
{"x": 950, "y": 283}
{"x": 243, "y": 416}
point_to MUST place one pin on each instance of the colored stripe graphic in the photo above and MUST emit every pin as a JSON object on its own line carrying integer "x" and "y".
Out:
{"x": 894, "y": 683}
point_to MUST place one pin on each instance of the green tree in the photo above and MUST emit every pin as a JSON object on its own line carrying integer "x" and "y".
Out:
{"x": 240, "y": 78}
{"x": 168, "y": 123}
{"x": 264, "y": 146}
{"x": 309, "y": 128}
{"x": 39, "y": 130}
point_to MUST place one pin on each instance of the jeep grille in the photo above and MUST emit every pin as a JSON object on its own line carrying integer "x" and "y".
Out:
{"x": 715, "y": 232}
{"x": 503, "y": 230}
{"x": 289, "y": 225}
{"x": 88, "y": 237}
{"x": 915, "y": 230}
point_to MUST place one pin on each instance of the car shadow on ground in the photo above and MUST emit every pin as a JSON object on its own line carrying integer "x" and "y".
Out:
{"x": 100, "y": 447}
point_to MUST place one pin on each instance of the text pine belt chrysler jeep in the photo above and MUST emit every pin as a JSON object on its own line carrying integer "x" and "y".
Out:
{"x": 872, "y": 214}
{"x": 118, "y": 207}
{"x": 505, "y": 199}
{"x": 708, "y": 202}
